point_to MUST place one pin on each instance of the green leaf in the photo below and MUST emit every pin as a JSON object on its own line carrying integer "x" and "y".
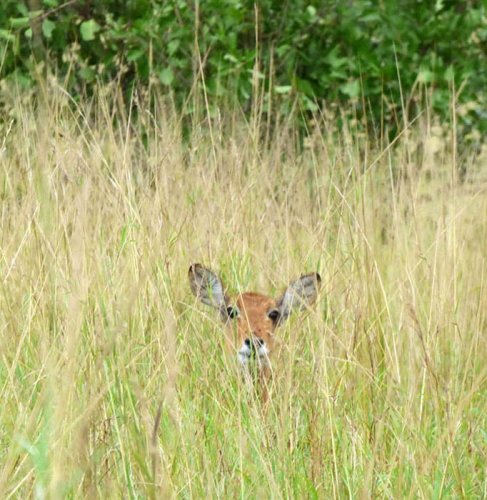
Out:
{"x": 47, "y": 28}
{"x": 166, "y": 76}
{"x": 88, "y": 30}
{"x": 370, "y": 18}
{"x": 283, "y": 89}
{"x": 172, "y": 46}
{"x": 334, "y": 60}
{"x": 425, "y": 76}
{"x": 22, "y": 9}
{"x": 352, "y": 89}
{"x": 309, "y": 104}
{"x": 135, "y": 54}
{"x": 311, "y": 10}
{"x": 304, "y": 86}
{"x": 19, "y": 22}
{"x": 6, "y": 35}
{"x": 231, "y": 58}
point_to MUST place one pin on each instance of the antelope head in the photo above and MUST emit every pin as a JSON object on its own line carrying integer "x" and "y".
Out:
{"x": 253, "y": 317}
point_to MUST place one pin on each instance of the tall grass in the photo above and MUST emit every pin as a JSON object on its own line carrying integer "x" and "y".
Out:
{"x": 114, "y": 381}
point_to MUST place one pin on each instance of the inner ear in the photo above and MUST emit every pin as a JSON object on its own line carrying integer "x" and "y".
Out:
{"x": 274, "y": 315}
{"x": 232, "y": 312}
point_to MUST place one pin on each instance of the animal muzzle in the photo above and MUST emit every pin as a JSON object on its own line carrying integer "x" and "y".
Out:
{"x": 253, "y": 349}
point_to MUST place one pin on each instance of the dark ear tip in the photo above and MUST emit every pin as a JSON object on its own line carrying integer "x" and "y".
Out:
{"x": 318, "y": 278}
{"x": 193, "y": 267}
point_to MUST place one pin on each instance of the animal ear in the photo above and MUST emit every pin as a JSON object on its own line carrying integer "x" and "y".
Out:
{"x": 207, "y": 287}
{"x": 299, "y": 295}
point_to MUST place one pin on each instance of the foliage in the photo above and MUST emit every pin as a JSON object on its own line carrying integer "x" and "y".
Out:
{"x": 379, "y": 58}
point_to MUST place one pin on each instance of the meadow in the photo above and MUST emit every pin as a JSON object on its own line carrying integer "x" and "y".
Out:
{"x": 114, "y": 380}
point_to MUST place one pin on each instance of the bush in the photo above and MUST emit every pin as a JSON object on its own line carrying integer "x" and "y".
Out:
{"x": 379, "y": 59}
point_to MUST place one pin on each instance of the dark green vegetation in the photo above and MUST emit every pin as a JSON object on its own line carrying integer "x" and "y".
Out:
{"x": 384, "y": 61}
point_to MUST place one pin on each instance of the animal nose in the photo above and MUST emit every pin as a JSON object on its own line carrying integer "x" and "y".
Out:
{"x": 258, "y": 342}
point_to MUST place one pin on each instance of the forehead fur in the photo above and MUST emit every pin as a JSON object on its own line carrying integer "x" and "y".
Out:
{"x": 251, "y": 301}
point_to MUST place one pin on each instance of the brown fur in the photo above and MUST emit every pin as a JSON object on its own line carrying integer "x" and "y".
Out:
{"x": 253, "y": 321}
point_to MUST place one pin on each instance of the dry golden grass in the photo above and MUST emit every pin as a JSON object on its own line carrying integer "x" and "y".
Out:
{"x": 114, "y": 381}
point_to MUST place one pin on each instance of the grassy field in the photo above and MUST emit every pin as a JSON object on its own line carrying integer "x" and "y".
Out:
{"x": 114, "y": 381}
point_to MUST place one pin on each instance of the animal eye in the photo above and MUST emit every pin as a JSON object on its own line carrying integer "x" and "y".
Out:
{"x": 232, "y": 312}
{"x": 274, "y": 314}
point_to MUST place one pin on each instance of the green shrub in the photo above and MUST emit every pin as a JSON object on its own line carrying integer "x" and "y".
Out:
{"x": 380, "y": 59}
